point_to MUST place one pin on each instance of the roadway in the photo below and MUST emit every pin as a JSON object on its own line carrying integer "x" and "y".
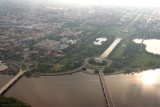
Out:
{"x": 6, "y": 86}
{"x": 101, "y": 74}
{"x": 106, "y": 93}
{"x": 107, "y": 96}
{"x": 149, "y": 19}
{"x": 62, "y": 73}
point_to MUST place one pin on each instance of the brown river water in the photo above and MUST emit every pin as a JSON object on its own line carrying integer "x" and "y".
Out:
{"x": 84, "y": 90}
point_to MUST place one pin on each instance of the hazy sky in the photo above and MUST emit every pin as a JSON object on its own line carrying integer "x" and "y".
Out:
{"x": 115, "y": 2}
{"x": 152, "y": 3}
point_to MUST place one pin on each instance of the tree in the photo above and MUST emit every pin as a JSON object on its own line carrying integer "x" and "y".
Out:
{"x": 108, "y": 70}
{"x": 84, "y": 69}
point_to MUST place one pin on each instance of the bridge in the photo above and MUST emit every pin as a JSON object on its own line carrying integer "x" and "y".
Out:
{"x": 106, "y": 93}
{"x": 12, "y": 81}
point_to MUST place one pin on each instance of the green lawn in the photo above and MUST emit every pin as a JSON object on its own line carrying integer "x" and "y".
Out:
{"x": 144, "y": 59}
{"x": 118, "y": 51}
{"x": 90, "y": 28}
{"x": 112, "y": 31}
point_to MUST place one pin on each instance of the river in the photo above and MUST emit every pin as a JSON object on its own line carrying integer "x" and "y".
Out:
{"x": 77, "y": 90}
{"x": 138, "y": 90}
{"x": 84, "y": 90}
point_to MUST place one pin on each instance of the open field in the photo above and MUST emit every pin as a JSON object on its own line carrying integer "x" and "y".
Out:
{"x": 118, "y": 51}
{"x": 145, "y": 59}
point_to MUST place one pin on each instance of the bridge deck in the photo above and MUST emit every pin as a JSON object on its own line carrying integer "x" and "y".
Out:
{"x": 105, "y": 89}
{"x": 101, "y": 75}
{"x": 6, "y": 86}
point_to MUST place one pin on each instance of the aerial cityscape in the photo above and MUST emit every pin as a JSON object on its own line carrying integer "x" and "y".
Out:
{"x": 79, "y": 53}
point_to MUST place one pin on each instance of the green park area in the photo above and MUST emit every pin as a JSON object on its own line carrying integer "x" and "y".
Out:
{"x": 126, "y": 54}
{"x": 93, "y": 62}
{"x": 74, "y": 54}
{"x": 129, "y": 55}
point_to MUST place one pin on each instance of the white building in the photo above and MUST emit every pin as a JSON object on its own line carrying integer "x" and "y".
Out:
{"x": 98, "y": 60}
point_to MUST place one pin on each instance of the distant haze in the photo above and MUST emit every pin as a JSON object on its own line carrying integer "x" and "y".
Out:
{"x": 139, "y": 3}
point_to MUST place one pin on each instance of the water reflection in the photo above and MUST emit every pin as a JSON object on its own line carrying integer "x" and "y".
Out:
{"x": 138, "y": 90}
{"x": 152, "y": 45}
{"x": 151, "y": 76}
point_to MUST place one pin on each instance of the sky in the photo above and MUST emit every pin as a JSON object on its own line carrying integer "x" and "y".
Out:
{"x": 139, "y": 3}
{"x": 152, "y": 3}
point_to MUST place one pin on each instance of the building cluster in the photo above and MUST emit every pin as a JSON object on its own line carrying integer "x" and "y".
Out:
{"x": 23, "y": 25}
{"x": 149, "y": 21}
{"x": 153, "y": 22}
{"x": 48, "y": 44}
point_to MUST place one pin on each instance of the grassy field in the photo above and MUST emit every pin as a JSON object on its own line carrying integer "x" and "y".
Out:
{"x": 90, "y": 28}
{"x": 145, "y": 58}
{"x": 118, "y": 51}
{"x": 112, "y": 31}
{"x": 133, "y": 59}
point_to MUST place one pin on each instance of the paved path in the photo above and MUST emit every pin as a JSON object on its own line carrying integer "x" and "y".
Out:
{"x": 110, "y": 49}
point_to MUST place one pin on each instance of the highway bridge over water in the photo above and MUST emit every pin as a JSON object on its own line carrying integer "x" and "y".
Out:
{"x": 12, "y": 81}
{"x": 107, "y": 96}
{"x": 106, "y": 92}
